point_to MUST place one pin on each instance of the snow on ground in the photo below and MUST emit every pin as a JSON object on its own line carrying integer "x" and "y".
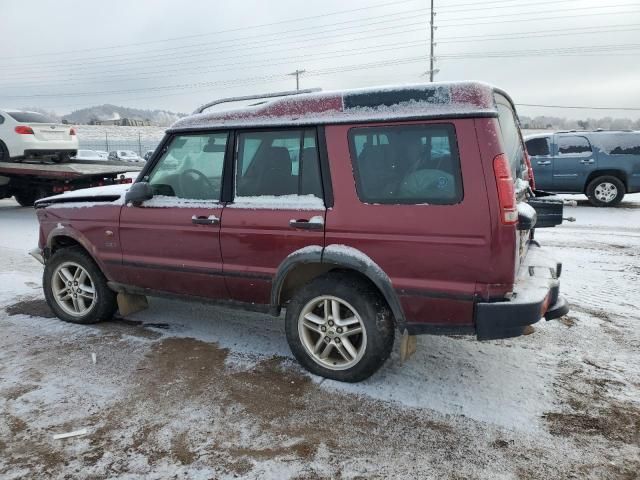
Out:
{"x": 212, "y": 392}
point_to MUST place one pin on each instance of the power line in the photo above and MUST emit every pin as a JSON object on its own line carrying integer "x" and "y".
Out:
{"x": 537, "y": 4}
{"x": 249, "y": 27}
{"x": 151, "y": 74}
{"x": 634, "y": 109}
{"x": 348, "y": 52}
{"x": 234, "y": 42}
{"x": 540, "y": 33}
{"x": 525, "y": 19}
{"x": 264, "y": 62}
{"x": 397, "y": 30}
{"x": 542, "y": 12}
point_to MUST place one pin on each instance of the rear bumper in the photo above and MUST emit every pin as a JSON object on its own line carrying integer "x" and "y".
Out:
{"x": 536, "y": 294}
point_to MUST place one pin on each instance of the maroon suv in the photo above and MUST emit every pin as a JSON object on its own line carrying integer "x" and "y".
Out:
{"x": 359, "y": 212}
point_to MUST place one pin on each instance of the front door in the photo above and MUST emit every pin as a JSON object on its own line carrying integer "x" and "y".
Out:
{"x": 171, "y": 242}
{"x": 573, "y": 161}
{"x": 278, "y": 208}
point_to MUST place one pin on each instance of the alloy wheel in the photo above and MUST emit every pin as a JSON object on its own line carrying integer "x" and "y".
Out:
{"x": 332, "y": 332}
{"x": 73, "y": 289}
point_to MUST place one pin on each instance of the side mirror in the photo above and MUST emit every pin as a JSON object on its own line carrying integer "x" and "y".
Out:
{"x": 138, "y": 193}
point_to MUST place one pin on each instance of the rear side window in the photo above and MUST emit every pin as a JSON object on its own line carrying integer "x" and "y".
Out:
{"x": 406, "y": 164}
{"x": 276, "y": 163}
{"x": 511, "y": 139}
{"x": 538, "y": 146}
{"x": 569, "y": 145}
{"x": 30, "y": 117}
{"x": 1, "y": 119}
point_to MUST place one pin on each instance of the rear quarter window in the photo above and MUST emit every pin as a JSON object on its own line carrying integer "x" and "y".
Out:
{"x": 406, "y": 164}
{"x": 538, "y": 146}
{"x": 31, "y": 117}
{"x": 511, "y": 137}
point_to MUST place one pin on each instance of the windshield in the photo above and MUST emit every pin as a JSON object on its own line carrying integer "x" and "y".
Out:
{"x": 31, "y": 117}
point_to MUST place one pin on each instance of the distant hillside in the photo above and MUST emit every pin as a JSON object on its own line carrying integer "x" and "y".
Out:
{"x": 108, "y": 112}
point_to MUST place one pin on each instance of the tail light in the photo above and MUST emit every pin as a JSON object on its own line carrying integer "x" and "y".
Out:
{"x": 506, "y": 190}
{"x": 24, "y": 130}
{"x": 532, "y": 180}
{"x": 72, "y": 131}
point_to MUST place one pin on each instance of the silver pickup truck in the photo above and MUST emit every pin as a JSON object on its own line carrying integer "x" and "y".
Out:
{"x": 604, "y": 165}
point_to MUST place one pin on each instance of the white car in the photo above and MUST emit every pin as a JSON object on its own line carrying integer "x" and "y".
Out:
{"x": 125, "y": 156}
{"x": 91, "y": 155}
{"x": 104, "y": 155}
{"x": 26, "y": 135}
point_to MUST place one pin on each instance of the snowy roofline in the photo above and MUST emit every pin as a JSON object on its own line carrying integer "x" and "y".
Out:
{"x": 406, "y": 102}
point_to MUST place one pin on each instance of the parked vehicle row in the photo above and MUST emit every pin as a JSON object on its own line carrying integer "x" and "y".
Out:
{"x": 604, "y": 165}
{"x": 125, "y": 156}
{"x": 361, "y": 213}
{"x": 93, "y": 155}
{"x": 32, "y": 135}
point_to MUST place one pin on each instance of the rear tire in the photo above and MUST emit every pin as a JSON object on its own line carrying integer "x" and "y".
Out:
{"x": 351, "y": 331}
{"x": 75, "y": 288}
{"x": 4, "y": 153}
{"x": 26, "y": 198}
{"x": 605, "y": 191}
{"x": 61, "y": 158}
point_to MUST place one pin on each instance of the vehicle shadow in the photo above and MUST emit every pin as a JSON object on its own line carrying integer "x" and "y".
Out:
{"x": 507, "y": 383}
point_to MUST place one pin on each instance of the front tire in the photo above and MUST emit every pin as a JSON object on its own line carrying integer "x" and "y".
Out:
{"x": 605, "y": 191}
{"x": 75, "y": 288}
{"x": 340, "y": 327}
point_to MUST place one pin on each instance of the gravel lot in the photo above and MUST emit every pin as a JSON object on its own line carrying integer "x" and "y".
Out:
{"x": 191, "y": 391}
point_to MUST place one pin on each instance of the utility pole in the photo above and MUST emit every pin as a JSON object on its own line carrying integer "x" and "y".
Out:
{"x": 431, "y": 72}
{"x": 297, "y": 74}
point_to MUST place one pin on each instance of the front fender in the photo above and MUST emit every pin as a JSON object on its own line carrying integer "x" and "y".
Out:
{"x": 61, "y": 230}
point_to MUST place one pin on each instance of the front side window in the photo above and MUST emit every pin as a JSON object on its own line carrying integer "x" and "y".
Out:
{"x": 277, "y": 163}
{"x": 538, "y": 146}
{"x": 406, "y": 164}
{"x": 573, "y": 145}
{"x": 191, "y": 167}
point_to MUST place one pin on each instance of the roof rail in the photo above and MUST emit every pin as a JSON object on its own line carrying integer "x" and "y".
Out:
{"x": 255, "y": 97}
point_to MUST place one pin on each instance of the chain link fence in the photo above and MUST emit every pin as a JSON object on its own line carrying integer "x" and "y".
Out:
{"x": 136, "y": 144}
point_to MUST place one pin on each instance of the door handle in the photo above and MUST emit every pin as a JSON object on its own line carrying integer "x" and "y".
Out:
{"x": 544, "y": 162}
{"x": 590, "y": 160}
{"x": 210, "y": 220}
{"x": 314, "y": 223}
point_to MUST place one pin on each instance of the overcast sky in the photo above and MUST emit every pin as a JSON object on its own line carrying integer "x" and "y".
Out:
{"x": 163, "y": 54}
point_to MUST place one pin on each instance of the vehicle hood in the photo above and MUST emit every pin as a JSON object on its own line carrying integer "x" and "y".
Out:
{"x": 109, "y": 193}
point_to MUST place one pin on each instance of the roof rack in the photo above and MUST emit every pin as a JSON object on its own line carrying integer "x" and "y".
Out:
{"x": 254, "y": 97}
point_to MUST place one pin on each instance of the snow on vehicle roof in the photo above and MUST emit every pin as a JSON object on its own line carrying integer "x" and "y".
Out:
{"x": 432, "y": 100}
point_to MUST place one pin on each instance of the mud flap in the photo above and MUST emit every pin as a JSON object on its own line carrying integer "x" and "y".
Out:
{"x": 129, "y": 303}
{"x": 408, "y": 345}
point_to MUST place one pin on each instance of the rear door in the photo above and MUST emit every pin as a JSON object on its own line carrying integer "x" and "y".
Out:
{"x": 277, "y": 208}
{"x": 171, "y": 243}
{"x": 574, "y": 160}
{"x": 539, "y": 150}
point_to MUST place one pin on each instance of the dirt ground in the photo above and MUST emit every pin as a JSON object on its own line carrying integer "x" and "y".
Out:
{"x": 194, "y": 391}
